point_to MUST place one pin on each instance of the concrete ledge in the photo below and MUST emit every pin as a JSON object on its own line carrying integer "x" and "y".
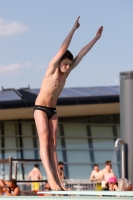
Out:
{"x": 89, "y": 193}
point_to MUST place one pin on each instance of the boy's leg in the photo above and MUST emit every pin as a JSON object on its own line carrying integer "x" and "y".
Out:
{"x": 53, "y": 128}
{"x": 41, "y": 121}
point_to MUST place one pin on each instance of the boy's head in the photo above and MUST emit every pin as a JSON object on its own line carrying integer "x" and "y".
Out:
{"x": 96, "y": 167}
{"x": 68, "y": 55}
{"x": 66, "y": 61}
{"x": 47, "y": 186}
{"x": 60, "y": 165}
{"x": 12, "y": 183}
{"x": 108, "y": 164}
{"x": 36, "y": 165}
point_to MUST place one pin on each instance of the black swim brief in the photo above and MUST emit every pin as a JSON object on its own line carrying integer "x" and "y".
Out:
{"x": 48, "y": 110}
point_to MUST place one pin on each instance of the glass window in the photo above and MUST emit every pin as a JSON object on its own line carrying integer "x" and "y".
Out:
{"x": 43, "y": 171}
{"x": 2, "y": 171}
{"x": 102, "y": 156}
{"x": 10, "y": 142}
{"x": 59, "y": 155}
{"x": 103, "y": 144}
{"x": 10, "y": 147}
{"x": 72, "y": 130}
{"x": 79, "y": 171}
{"x": 29, "y": 152}
{"x": 6, "y": 172}
{"x": 76, "y": 143}
{"x": 13, "y": 153}
{"x": 102, "y": 131}
{"x": 79, "y": 119}
{"x": 9, "y": 129}
{"x": 78, "y": 156}
{"x": 118, "y": 130}
{"x": 26, "y": 129}
{"x": 101, "y": 119}
{"x": 59, "y": 146}
{"x": 19, "y": 171}
{"x": 75, "y": 138}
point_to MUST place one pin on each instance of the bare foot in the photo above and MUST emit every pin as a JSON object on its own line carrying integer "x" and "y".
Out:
{"x": 53, "y": 184}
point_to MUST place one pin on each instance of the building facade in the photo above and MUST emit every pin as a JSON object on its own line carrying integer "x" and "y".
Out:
{"x": 89, "y": 124}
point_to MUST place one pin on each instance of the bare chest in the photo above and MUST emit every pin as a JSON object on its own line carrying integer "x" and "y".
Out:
{"x": 56, "y": 82}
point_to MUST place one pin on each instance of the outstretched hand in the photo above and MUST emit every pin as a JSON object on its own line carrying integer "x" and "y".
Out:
{"x": 77, "y": 24}
{"x": 99, "y": 32}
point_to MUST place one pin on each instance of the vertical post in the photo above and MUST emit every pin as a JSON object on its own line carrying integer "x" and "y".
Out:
{"x": 123, "y": 161}
{"x": 126, "y": 117}
{"x": 10, "y": 167}
{"x": 117, "y": 142}
{"x": 15, "y": 170}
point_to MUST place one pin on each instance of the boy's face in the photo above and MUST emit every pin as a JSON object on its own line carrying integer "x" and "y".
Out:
{"x": 65, "y": 65}
{"x": 96, "y": 168}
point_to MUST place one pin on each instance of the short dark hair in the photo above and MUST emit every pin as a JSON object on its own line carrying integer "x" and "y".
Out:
{"x": 36, "y": 165}
{"x": 108, "y": 162}
{"x": 68, "y": 55}
{"x": 60, "y": 163}
{"x": 13, "y": 181}
{"x": 95, "y": 165}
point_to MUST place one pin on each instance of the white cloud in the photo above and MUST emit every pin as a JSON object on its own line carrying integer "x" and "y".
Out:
{"x": 42, "y": 66}
{"x": 8, "y": 28}
{"x": 28, "y": 64}
{"x": 13, "y": 68}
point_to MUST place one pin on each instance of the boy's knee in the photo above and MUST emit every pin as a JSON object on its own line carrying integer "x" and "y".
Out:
{"x": 44, "y": 144}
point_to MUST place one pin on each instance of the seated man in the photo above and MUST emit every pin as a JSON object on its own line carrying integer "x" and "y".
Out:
{"x": 9, "y": 188}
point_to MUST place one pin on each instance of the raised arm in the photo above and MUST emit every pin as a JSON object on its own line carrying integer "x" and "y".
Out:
{"x": 91, "y": 176}
{"x": 1, "y": 183}
{"x": 53, "y": 63}
{"x": 87, "y": 48}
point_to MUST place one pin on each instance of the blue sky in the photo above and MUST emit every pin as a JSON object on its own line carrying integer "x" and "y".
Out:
{"x": 32, "y": 31}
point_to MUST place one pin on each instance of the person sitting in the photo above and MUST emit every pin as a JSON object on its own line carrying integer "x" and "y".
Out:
{"x": 9, "y": 188}
{"x": 124, "y": 185}
{"x": 47, "y": 188}
{"x": 111, "y": 185}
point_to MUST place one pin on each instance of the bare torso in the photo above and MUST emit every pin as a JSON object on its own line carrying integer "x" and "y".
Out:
{"x": 97, "y": 175}
{"x": 34, "y": 174}
{"x": 107, "y": 174}
{"x": 51, "y": 88}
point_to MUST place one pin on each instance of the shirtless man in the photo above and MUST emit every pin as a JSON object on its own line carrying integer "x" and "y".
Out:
{"x": 96, "y": 174}
{"x": 45, "y": 113}
{"x": 34, "y": 175}
{"x": 9, "y": 188}
{"x": 107, "y": 172}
